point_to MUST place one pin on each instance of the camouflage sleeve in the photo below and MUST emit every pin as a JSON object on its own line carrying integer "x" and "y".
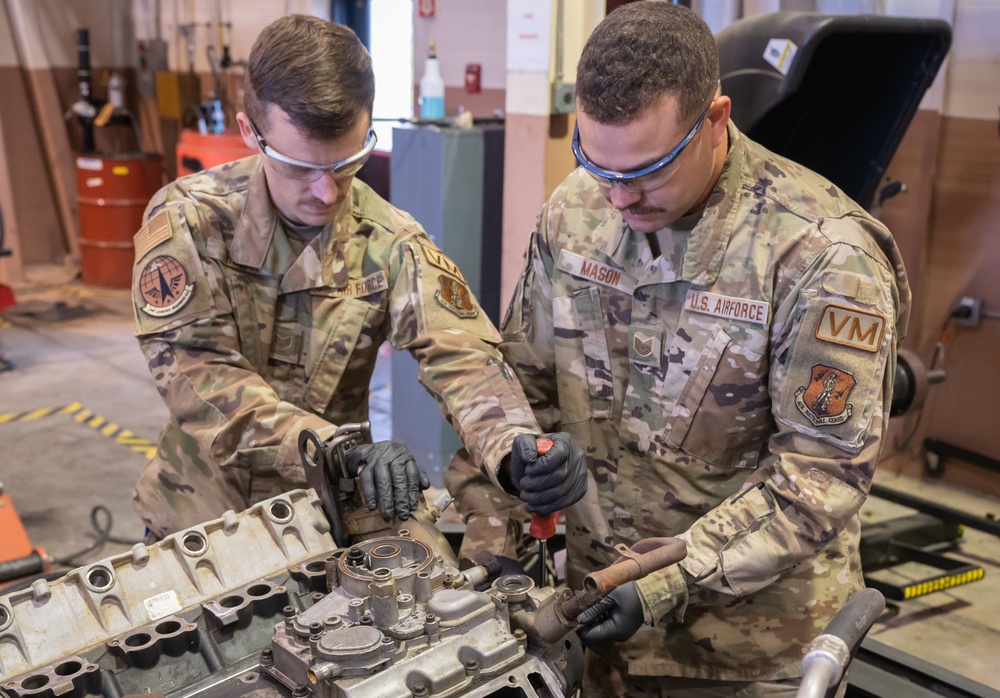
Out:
{"x": 186, "y": 328}
{"x": 832, "y": 364}
{"x": 528, "y": 328}
{"x": 437, "y": 319}
{"x": 495, "y": 519}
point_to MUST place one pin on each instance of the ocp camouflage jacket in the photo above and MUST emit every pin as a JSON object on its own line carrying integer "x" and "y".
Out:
{"x": 251, "y": 341}
{"x": 733, "y": 392}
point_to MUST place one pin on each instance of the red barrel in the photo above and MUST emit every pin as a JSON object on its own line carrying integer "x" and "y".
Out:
{"x": 112, "y": 192}
{"x": 197, "y": 152}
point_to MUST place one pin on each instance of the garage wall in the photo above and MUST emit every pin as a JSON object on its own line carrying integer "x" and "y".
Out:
{"x": 466, "y": 31}
{"x": 38, "y": 77}
{"x": 36, "y": 157}
{"x": 948, "y": 225}
{"x": 25, "y": 195}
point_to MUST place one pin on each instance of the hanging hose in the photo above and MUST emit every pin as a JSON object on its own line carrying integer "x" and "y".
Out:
{"x": 830, "y": 653}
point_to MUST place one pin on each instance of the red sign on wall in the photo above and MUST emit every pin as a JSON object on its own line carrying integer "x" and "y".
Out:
{"x": 473, "y": 72}
{"x": 426, "y": 8}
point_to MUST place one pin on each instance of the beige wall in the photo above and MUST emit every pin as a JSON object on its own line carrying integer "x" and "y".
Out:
{"x": 466, "y": 31}
{"x": 245, "y": 19}
{"x": 538, "y": 154}
{"x": 109, "y": 22}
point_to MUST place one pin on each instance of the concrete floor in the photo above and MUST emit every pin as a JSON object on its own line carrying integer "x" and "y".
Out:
{"x": 57, "y": 467}
{"x": 79, "y": 409}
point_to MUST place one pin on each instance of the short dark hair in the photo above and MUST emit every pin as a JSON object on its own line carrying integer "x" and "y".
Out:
{"x": 641, "y": 51}
{"x": 317, "y": 72}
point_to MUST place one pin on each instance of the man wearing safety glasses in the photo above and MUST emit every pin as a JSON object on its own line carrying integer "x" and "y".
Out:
{"x": 264, "y": 288}
{"x": 716, "y": 326}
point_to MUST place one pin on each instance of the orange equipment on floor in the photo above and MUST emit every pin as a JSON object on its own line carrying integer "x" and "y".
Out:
{"x": 18, "y": 558}
{"x": 197, "y": 151}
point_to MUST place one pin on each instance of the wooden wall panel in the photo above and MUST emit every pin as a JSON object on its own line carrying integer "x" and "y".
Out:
{"x": 962, "y": 258}
{"x": 908, "y": 214}
{"x": 34, "y": 214}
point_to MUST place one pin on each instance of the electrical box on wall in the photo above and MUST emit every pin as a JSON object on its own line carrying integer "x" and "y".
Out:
{"x": 563, "y": 98}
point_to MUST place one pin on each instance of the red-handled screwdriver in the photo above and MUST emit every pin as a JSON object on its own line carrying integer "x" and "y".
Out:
{"x": 543, "y": 527}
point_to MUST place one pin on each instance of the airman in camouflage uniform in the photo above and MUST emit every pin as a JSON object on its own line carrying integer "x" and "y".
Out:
{"x": 263, "y": 289}
{"x": 271, "y": 340}
{"x": 722, "y": 345}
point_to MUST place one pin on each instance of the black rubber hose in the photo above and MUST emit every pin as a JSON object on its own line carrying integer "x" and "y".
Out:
{"x": 824, "y": 664}
{"x": 103, "y": 536}
{"x": 855, "y": 619}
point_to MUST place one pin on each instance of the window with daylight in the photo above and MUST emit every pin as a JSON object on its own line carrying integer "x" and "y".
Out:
{"x": 391, "y": 46}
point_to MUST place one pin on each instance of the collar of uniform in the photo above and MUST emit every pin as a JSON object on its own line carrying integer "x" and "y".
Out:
{"x": 630, "y": 250}
{"x": 665, "y": 268}
{"x": 323, "y": 263}
{"x": 255, "y": 229}
{"x": 618, "y": 243}
{"x": 710, "y": 237}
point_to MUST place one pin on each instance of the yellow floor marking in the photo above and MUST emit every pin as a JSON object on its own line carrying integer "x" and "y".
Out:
{"x": 82, "y": 415}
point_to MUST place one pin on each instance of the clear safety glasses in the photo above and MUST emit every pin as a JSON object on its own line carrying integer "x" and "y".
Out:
{"x": 310, "y": 172}
{"x": 645, "y": 179}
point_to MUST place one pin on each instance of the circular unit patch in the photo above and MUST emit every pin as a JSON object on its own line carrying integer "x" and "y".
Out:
{"x": 164, "y": 286}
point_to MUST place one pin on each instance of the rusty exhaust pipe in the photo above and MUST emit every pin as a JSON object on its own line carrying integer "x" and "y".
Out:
{"x": 558, "y": 614}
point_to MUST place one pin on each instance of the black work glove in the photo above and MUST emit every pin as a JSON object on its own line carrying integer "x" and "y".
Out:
{"x": 509, "y": 565}
{"x": 552, "y": 481}
{"x": 614, "y": 618}
{"x": 389, "y": 477}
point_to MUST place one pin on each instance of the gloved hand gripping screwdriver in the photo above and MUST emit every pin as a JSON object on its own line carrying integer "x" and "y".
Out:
{"x": 543, "y": 527}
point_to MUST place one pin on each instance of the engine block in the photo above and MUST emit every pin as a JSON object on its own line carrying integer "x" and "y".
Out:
{"x": 262, "y": 603}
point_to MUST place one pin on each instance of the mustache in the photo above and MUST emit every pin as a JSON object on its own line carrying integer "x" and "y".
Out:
{"x": 643, "y": 210}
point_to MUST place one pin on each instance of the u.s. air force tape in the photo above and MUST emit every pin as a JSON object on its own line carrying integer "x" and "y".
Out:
{"x": 730, "y": 307}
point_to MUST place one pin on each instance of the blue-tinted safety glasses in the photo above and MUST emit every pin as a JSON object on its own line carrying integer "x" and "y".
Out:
{"x": 645, "y": 179}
